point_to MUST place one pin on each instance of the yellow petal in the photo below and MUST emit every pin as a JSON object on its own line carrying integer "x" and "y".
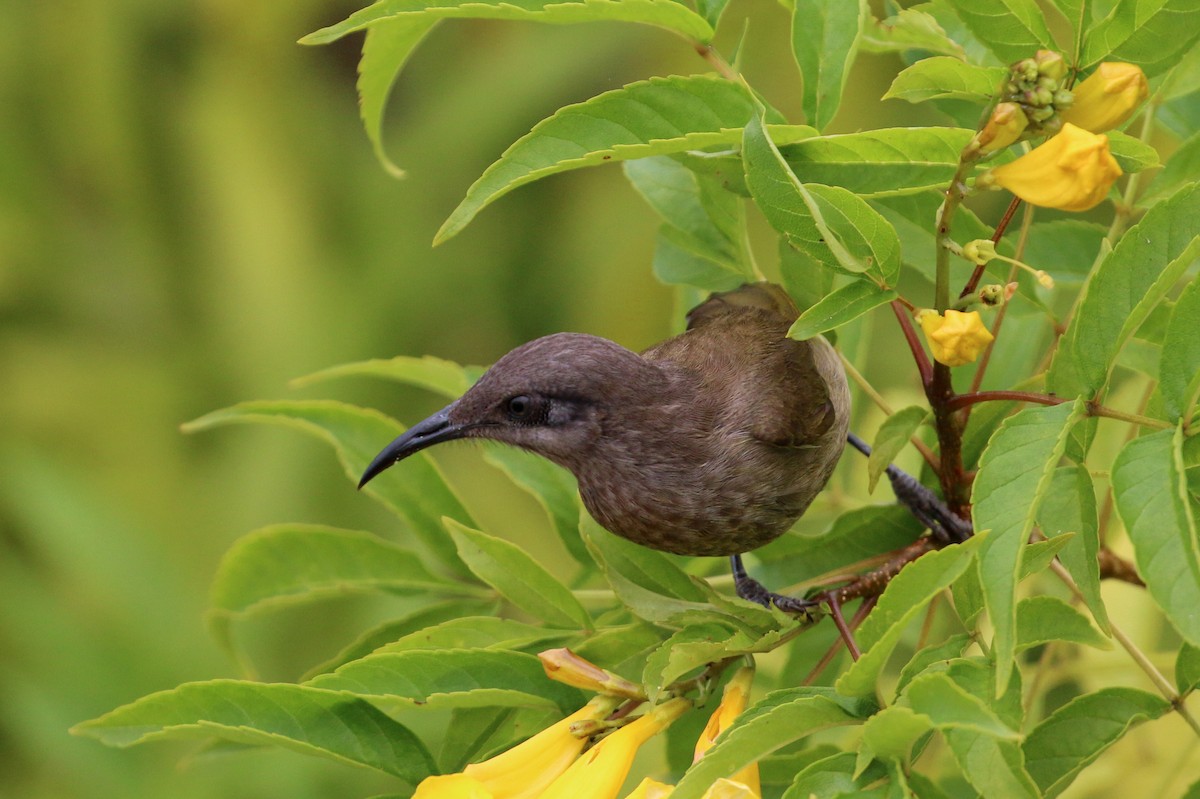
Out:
{"x": 651, "y": 789}
{"x": 1108, "y": 97}
{"x": 733, "y": 702}
{"x": 452, "y": 786}
{"x": 524, "y": 771}
{"x": 563, "y": 665}
{"x": 600, "y": 771}
{"x": 1072, "y": 171}
{"x": 730, "y": 789}
{"x": 957, "y": 338}
{"x": 1005, "y": 125}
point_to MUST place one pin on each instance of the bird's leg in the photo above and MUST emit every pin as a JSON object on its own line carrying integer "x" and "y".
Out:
{"x": 922, "y": 503}
{"x": 750, "y": 589}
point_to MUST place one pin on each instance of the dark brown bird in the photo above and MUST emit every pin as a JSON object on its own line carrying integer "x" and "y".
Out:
{"x": 711, "y": 443}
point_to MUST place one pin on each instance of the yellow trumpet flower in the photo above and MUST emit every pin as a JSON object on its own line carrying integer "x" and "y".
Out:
{"x": 956, "y": 338}
{"x": 651, "y": 789}
{"x": 1005, "y": 125}
{"x": 733, "y": 702}
{"x": 563, "y": 665}
{"x": 599, "y": 772}
{"x": 1108, "y": 97}
{"x": 730, "y": 789}
{"x": 1072, "y": 171}
{"x": 523, "y": 771}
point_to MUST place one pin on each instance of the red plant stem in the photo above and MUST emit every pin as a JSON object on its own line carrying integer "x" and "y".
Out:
{"x": 835, "y": 611}
{"x": 960, "y": 401}
{"x": 977, "y": 275}
{"x": 914, "y": 343}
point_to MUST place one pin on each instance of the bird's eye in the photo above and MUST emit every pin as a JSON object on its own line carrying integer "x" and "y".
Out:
{"x": 519, "y": 407}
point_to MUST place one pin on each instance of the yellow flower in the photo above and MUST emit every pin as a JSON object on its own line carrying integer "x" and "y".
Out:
{"x": 1004, "y": 126}
{"x": 730, "y": 789}
{"x": 565, "y": 666}
{"x": 598, "y": 774}
{"x": 956, "y": 338}
{"x": 1072, "y": 171}
{"x": 1108, "y": 97}
{"x": 733, "y": 702}
{"x": 452, "y": 786}
{"x": 651, "y": 789}
{"x": 523, "y": 771}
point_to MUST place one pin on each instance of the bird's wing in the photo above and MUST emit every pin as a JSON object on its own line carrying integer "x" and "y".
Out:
{"x": 763, "y": 296}
{"x": 797, "y": 408}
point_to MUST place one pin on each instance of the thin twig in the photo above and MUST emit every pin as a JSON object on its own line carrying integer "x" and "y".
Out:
{"x": 914, "y": 343}
{"x": 973, "y": 282}
{"x": 930, "y": 457}
{"x": 835, "y": 611}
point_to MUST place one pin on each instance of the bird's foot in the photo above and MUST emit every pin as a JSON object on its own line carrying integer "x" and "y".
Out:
{"x": 752, "y": 590}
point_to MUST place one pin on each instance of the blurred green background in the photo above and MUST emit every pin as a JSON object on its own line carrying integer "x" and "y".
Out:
{"x": 191, "y": 216}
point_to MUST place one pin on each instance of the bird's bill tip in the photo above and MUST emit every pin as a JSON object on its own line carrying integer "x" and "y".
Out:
{"x": 434, "y": 430}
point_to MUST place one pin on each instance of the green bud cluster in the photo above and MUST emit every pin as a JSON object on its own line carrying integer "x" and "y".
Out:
{"x": 1036, "y": 85}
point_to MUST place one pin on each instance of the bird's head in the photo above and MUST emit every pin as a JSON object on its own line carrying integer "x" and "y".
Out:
{"x": 548, "y": 396}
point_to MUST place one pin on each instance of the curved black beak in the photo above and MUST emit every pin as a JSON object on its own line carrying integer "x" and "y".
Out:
{"x": 434, "y": 430}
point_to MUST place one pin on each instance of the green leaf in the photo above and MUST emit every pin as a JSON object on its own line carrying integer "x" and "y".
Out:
{"x": 1041, "y": 619}
{"x": 385, "y": 50}
{"x": 659, "y": 116}
{"x": 1069, "y": 506}
{"x": 835, "y": 776}
{"x": 1152, "y": 499}
{"x": 446, "y": 378}
{"x": 901, "y": 602}
{"x": 968, "y": 598}
{"x": 830, "y": 224}
{"x": 677, "y": 260}
{"x": 890, "y": 161}
{"x": 1181, "y": 168}
{"x": 948, "y": 706}
{"x": 696, "y": 646}
{"x": 1150, "y": 34}
{"x": 1133, "y": 278}
{"x": 825, "y": 36}
{"x": 892, "y": 731}
{"x": 1014, "y": 475}
{"x": 518, "y": 577}
{"x": 552, "y": 486}
{"x": 1012, "y": 29}
{"x": 415, "y": 490}
{"x": 909, "y": 29}
{"x": 1187, "y": 668}
{"x": 662, "y": 13}
{"x": 942, "y": 77}
{"x": 476, "y": 632}
{"x": 893, "y": 436}
{"x": 450, "y": 678}
{"x": 1132, "y": 154}
{"x": 839, "y": 307}
{"x": 1179, "y": 367}
{"x": 308, "y": 720}
{"x": 1078, "y": 732}
{"x": 949, "y": 649}
{"x": 655, "y": 571}
{"x": 775, "y": 721}
{"x": 1039, "y": 554}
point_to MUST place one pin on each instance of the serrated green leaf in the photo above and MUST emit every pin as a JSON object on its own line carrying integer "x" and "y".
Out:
{"x": 552, "y": 486}
{"x": 697, "y": 645}
{"x": 304, "y": 719}
{"x": 385, "y": 50}
{"x": 909, "y": 29}
{"x": 903, "y": 599}
{"x": 518, "y": 577}
{"x": 1131, "y": 280}
{"x": 1131, "y": 154}
{"x": 1181, "y": 169}
{"x": 449, "y": 379}
{"x": 1070, "y": 506}
{"x": 414, "y": 490}
{"x": 825, "y": 36}
{"x": 476, "y": 632}
{"x": 1179, "y": 367}
{"x": 968, "y": 597}
{"x": 1012, "y": 29}
{"x": 1149, "y": 34}
{"x": 942, "y": 77}
{"x": 836, "y": 776}
{"x": 395, "y": 629}
{"x": 1078, "y": 732}
{"x": 893, "y": 436}
{"x": 1041, "y": 619}
{"x": 1014, "y": 475}
{"x": 1151, "y": 496}
{"x": 1038, "y": 554}
{"x": 648, "y": 568}
{"x": 833, "y": 225}
{"x": 948, "y": 706}
{"x": 892, "y": 731}
{"x": 662, "y": 13}
{"x": 1187, "y": 668}
{"x": 775, "y": 721}
{"x": 659, "y": 116}
{"x": 839, "y": 307}
{"x": 451, "y": 678}
{"x": 949, "y": 649}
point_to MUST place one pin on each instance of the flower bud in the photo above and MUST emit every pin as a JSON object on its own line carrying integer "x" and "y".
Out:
{"x": 563, "y": 665}
{"x": 733, "y": 702}
{"x": 599, "y": 772}
{"x": 979, "y": 251}
{"x": 1043, "y": 279}
{"x": 992, "y": 294}
{"x": 1050, "y": 64}
{"x": 1108, "y": 97}
{"x": 1072, "y": 171}
{"x": 955, "y": 339}
{"x": 1005, "y": 125}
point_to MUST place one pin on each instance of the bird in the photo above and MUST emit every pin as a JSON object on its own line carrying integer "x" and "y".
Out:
{"x": 711, "y": 443}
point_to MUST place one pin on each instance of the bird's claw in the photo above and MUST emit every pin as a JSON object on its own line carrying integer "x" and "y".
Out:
{"x": 753, "y": 591}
